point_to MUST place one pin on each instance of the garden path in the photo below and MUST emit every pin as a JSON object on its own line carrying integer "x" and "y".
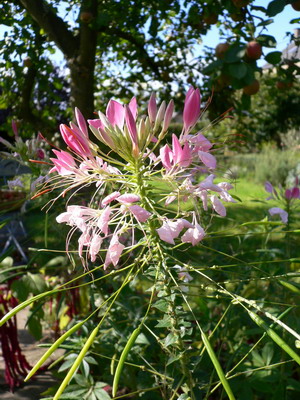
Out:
{"x": 31, "y": 390}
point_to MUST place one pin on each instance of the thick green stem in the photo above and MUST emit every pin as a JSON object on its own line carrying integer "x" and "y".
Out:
{"x": 140, "y": 181}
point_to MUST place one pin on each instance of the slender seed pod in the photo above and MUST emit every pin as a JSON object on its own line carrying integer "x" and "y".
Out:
{"x": 123, "y": 357}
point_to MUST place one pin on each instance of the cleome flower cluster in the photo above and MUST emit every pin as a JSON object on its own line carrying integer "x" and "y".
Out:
{"x": 142, "y": 186}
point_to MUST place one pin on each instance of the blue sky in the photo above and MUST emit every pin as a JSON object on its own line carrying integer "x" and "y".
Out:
{"x": 278, "y": 29}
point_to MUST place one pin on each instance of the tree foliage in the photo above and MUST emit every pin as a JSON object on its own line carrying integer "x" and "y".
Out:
{"x": 118, "y": 47}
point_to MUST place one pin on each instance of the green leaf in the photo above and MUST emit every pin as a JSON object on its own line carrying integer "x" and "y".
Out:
{"x": 35, "y": 283}
{"x": 142, "y": 339}
{"x": 20, "y": 290}
{"x": 91, "y": 396}
{"x": 274, "y": 57}
{"x": 165, "y": 322}
{"x": 173, "y": 358}
{"x": 237, "y": 70}
{"x": 235, "y": 53}
{"x": 212, "y": 67}
{"x": 102, "y": 394}
{"x": 162, "y": 305}
{"x": 267, "y": 40}
{"x": 295, "y": 21}
{"x": 266, "y": 22}
{"x": 170, "y": 339}
{"x": 275, "y": 7}
{"x": 35, "y": 327}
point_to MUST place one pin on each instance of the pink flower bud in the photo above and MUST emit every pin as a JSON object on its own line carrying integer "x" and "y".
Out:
{"x": 160, "y": 115}
{"x": 168, "y": 115}
{"x": 14, "y": 128}
{"x": 130, "y": 123}
{"x": 191, "y": 111}
{"x": 152, "y": 108}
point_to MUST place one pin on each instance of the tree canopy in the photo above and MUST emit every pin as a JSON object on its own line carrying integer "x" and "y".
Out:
{"x": 116, "y": 48}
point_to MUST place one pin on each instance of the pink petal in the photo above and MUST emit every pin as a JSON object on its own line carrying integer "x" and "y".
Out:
{"x": 83, "y": 240}
{"x": 218, "y": 206}
{"x": 103, "y": 221}
{"x": 95, "y": 246}
{"x": 130, "y": 123}
{"x": 295, "y": 193}
{"x": 63, "y": 217}
{"x": 207, "y": 159}
{"x": 225, "y": 185}
{"x": 201, "y": 142}
{"x": 133, "y": 107}
{"x": 288, "y": 194}
{"x": 208, "y": 184}
{"x": 96, "y": 123}
{"x": 115, "y": 113}
{"x": 108, "y": 199}
{"x": 81, "y": 122}
{"x": 140, "y": 213}
{"x": 129, "y": 198}
{"x": 282, "y": 213}
{"x": 177, "y": 150}
{"x": 165, "y": 153}
{"x": 193, "y": 235}
{"x": 165, "y": 233}
{"x": 269, "y": 187}
{"x": 186, "y": 156}
{"x": 114, "y": 252}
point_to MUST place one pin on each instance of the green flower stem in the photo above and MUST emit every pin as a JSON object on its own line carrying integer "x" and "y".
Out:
{"x": 141, "y": 188}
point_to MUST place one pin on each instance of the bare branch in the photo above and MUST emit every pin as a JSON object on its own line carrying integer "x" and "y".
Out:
{"x": 53, "y": 25}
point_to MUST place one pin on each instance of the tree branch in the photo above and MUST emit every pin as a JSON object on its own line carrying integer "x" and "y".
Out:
{"x": 53, "y": 25}
{"x": 145, "y": 59}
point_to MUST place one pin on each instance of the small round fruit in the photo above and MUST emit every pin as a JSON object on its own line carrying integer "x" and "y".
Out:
{"x": 240, "y": 3}
{"x": 210, "y": 19}
{"x": 296, "y": 5}
{"x": 251, "y": 89}
{"x": 86, "y": 17}
{"x": 253, "y": 50}
{"x": 238, "y": 16}
{"x": 221, "y": 50}
{"x": 27, "y": 62}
